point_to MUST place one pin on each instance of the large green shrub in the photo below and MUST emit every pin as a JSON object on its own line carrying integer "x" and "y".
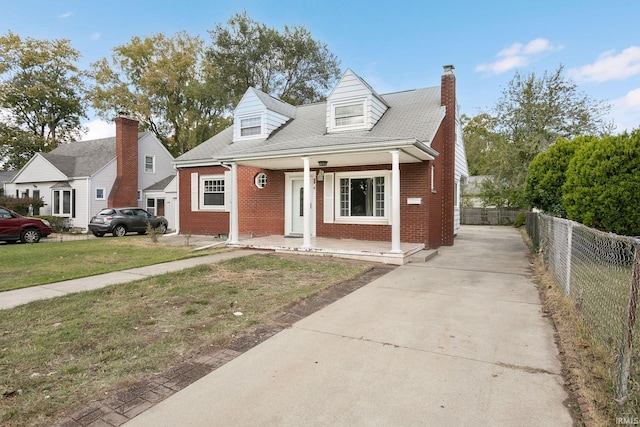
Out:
{"x": 547, "y": 175}
{"x": 603, "y": 182}
{"x": 20, "y": 205}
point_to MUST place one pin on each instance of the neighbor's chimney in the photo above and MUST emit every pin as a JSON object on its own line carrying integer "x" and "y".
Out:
{"x": 447, "y": 153}
{"x": 125, "y": 188}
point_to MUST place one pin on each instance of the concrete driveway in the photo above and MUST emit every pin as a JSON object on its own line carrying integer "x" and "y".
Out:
{"x": 457, "y": 341}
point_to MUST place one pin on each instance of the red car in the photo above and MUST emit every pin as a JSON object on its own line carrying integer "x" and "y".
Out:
{"x": 14, "y": 227}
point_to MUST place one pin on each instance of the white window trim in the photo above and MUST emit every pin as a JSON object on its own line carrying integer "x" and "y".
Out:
{"x": 377, "y": 220}
{"x": 104, "y": 194}
{"x": 238, "y": 126}
{"x": 260, "y": 180}
{"x": 332, "y": 118}
{"x": 60, "y": 203}
{"x": 153, "y": 163}
{"x": 202, "y": 206}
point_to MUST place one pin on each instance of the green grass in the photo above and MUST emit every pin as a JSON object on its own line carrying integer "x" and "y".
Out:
{"x": 22, "y": 266}
{"x": 54, "y": 353}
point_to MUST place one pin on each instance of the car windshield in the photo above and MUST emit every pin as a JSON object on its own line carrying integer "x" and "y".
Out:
{"x": 106, "y": 212}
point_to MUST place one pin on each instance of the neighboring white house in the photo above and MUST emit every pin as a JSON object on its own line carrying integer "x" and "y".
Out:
{"x": 75, "y": 180}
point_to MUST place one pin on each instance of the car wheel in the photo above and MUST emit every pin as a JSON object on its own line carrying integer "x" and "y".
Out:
{"x": 30, "y": 235}
{"x": 119, "y": 231}
{"x": 95, "y": 233}
{"x": 163, "y": 228}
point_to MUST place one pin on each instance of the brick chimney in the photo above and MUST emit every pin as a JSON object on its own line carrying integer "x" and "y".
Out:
{"x": 125, "y": 188}
{"x": 445, "y": 163}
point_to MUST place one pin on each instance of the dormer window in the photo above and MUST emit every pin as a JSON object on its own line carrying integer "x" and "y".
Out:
{"x": 349, "y": 115}
{"x": 251, "y": 126}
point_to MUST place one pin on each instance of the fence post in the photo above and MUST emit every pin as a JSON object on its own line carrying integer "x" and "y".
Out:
{"x": 567, "y": 285}
{"x": 627, "y": 338}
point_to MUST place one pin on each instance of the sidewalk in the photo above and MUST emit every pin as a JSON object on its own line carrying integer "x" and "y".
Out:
{"x": 10, "y": 299}
{"x": 458, "y": 340}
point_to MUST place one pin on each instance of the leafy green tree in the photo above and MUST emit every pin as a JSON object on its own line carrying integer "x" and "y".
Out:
{"x": 289, "y": 65}
{"x": 531, "y": 114}
{"x": 17, "y": 146}
{"x": 479, "y": 142}
{"x": 41, "y": 91}
{"x": 167, "y": 85}
{"x": 547, "y": 175}
{"x": 602, "y": 184}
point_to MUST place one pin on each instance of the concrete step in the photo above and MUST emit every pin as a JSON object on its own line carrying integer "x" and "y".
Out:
{"x": 423, "y": 256}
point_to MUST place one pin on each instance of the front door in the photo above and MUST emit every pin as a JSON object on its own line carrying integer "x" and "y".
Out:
{"x": 294, "y": 205}
{"x": 297, "y": 206}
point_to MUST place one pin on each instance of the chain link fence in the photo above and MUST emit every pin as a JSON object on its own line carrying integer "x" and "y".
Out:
{"x": 599, "y": 273}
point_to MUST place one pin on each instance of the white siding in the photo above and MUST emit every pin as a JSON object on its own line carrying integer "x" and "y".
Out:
{"x": 150, "y": 145}
{"x": 351, "y": 88}
{"x": 38, "y": 169}
{"x": 461, "y": 168}
{"x": 81, "y": 187}
{"x": 104, "y": 178}
{"x": 250, "y": 106}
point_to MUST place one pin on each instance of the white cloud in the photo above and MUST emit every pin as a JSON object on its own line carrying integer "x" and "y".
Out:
{"x": 65, "y": 15}
{"x": 610, "y": 66}
{"x": 626, "y": 111}
{"x": 518, "y": 55}
{"x": 95, "y": 36}
{"x": 99, "y": 129}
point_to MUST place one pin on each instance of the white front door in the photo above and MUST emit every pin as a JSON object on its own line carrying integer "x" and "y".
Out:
{"x": 297, "y": 207}
{"x": 294, "y": 207}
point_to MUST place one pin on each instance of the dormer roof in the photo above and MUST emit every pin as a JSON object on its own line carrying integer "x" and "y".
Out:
{"x": 258, "y": 114}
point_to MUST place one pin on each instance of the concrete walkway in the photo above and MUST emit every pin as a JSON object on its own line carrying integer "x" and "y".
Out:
{"x": 458, "y": 340}
{"x": 10, "y": 299}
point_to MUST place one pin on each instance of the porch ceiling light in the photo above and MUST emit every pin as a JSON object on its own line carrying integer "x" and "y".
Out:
{"x": 322, "y": 163}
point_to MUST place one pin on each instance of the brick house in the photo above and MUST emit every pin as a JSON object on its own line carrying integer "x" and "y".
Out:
{"x": 358, "y": 166}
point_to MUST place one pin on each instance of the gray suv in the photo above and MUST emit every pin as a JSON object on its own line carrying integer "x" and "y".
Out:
{"x": 120, "y": 221}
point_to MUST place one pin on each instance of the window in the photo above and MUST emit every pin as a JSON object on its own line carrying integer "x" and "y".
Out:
{"x": 261, "y": 180}
{"x": 149, "y": 164}
{"x": 63, "y": 203}
{"x": 362, "y": 196}
{"x": 349, "y": 115}
{"x": 100, "y": 194}
{"x": 151, "y": 206}
{"x": 212, "y": 191}
{"x": 251, "y": 126}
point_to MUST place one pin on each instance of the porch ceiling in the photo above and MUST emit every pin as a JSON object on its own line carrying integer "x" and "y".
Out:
{"x": 355, "y": 158}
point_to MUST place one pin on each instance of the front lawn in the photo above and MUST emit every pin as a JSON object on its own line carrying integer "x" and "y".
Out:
{"x": 22, "y": 266}
{"x": 55, "y": 353}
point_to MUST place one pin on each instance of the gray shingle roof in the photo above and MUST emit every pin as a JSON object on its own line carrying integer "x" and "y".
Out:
{"x": 83, "y": 158}
{"x": 160, "y": 185}
{"x": 6, "y": 176}
{"x": 412, "y": 115}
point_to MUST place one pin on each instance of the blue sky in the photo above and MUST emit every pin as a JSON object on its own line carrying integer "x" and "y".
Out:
{"x": 393, "y": 45}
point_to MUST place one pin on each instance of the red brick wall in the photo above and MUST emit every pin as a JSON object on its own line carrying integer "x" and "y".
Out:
{"x": 414, "y": 219}
{"x": 203, "y": 222}
{"x": 442, "y": 209}
{"x": 262, "y": 210}
{"x": 125, "y": 188}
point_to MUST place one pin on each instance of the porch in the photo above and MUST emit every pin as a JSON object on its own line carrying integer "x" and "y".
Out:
{"x": 364, "y": 250}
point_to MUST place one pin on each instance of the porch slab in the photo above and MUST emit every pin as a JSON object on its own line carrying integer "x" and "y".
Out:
{"x": 364, "y": 250}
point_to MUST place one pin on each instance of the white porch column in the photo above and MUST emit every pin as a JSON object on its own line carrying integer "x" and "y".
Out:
{"x": 306, "y": 199}
{"x": 395, "y": 202}
{"x": 233, "y": 217}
